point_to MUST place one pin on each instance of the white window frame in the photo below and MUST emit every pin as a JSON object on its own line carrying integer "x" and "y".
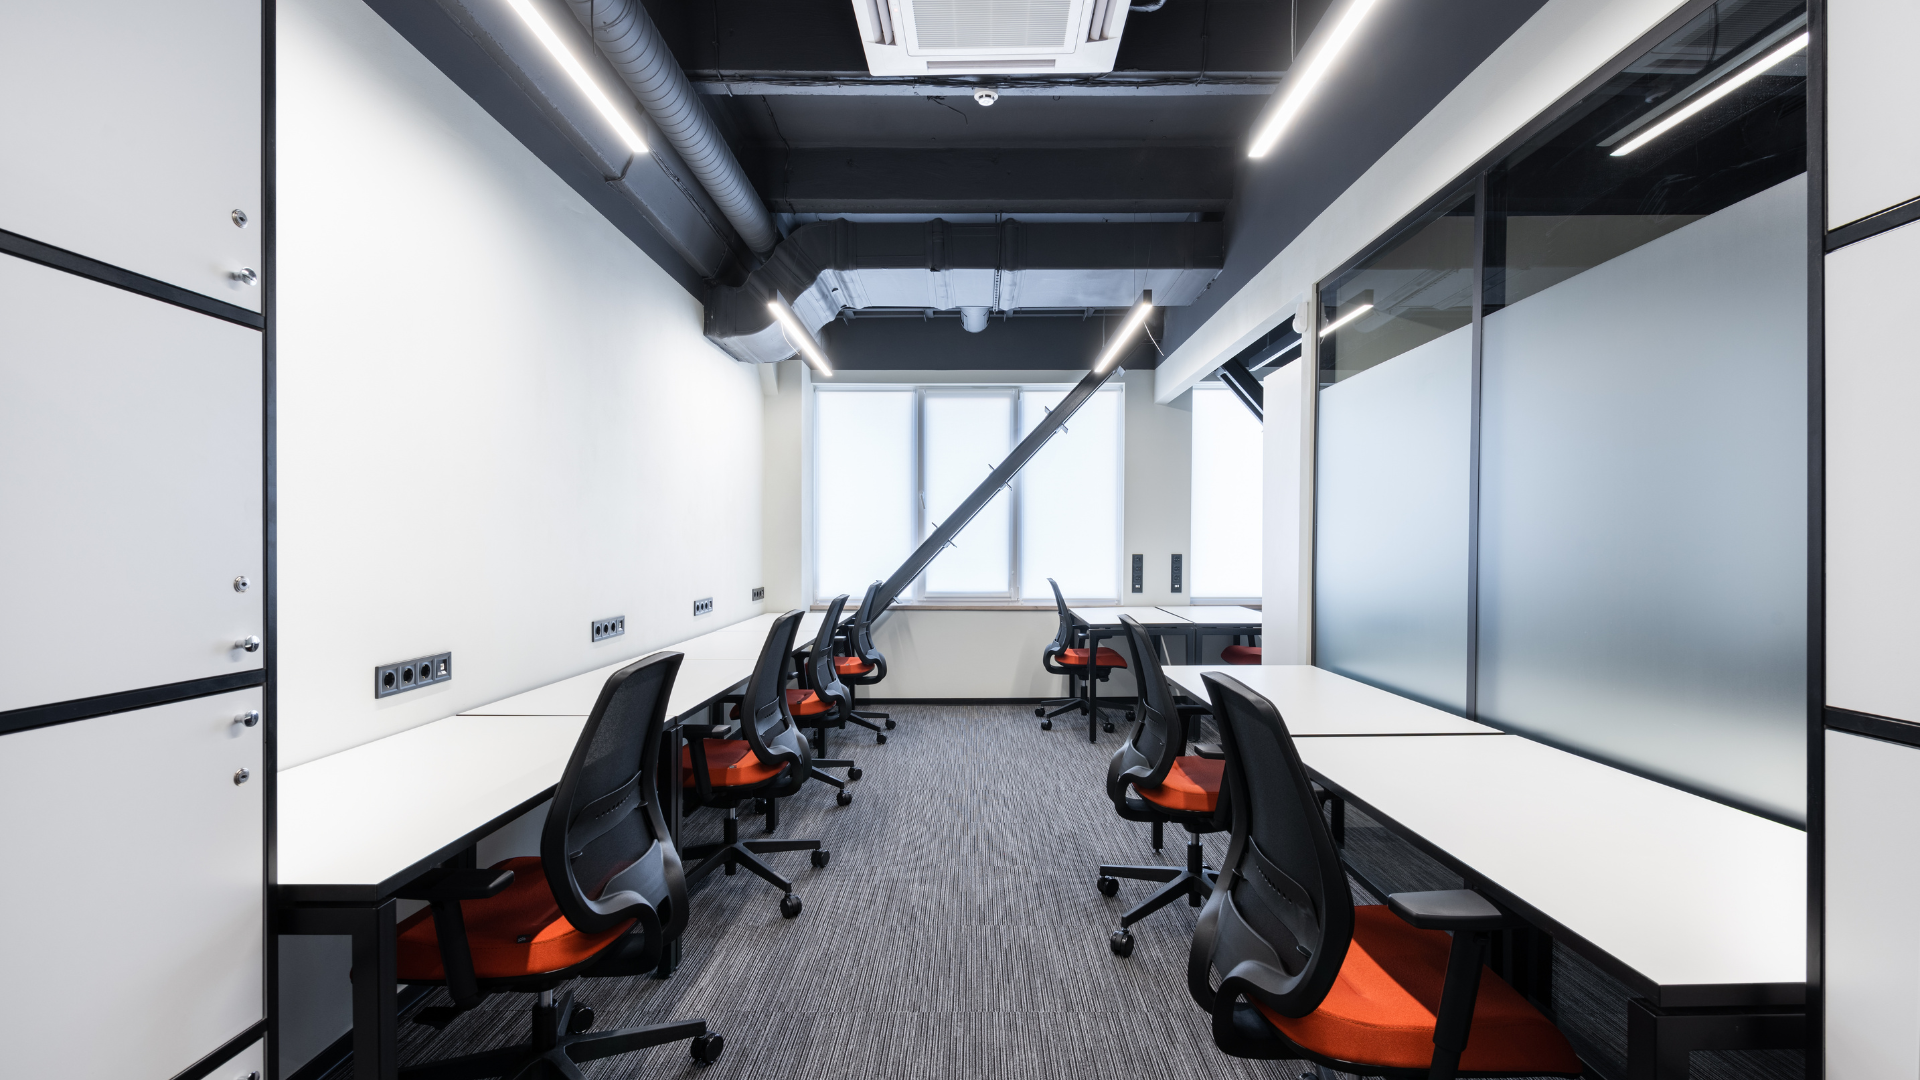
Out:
{"x": 922, "y": 527}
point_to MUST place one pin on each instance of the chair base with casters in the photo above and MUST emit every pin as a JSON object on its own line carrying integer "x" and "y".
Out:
{"x": 1189, "y": 797}
{"x": 731, "y": 853}
{"x": 1073, "y": 664}
{"x": 1194, "y": 882}
{"x": 562, "y": 1038}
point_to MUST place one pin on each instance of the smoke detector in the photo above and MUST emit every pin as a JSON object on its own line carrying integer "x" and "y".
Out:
{"x": 984, "y": 37}
{"x": 985, "y": 96}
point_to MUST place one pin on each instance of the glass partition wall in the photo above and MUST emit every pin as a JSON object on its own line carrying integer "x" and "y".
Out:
{"x": 1561, "y": 474}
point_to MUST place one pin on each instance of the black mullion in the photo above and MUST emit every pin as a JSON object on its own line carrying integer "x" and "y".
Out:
{"x": 32, "y": 250}
{"x": 1816, "y": 530}
{"x": 146, "y": 697}
{"x": 269, "y": 532}
{"x": 1473, "y": 444}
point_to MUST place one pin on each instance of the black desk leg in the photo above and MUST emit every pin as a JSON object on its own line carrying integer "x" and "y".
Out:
{"x": 376, "y": 1005}
{"x": 1659, "y": 1040}
{"x": 1093, "y": 695}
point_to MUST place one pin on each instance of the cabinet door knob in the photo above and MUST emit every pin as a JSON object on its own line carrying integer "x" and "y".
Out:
{"x": 246, "y": 275}
{"x": 250, "y": 643}
{"x": 241, "y": 777}
{"x": 248, "y": 718}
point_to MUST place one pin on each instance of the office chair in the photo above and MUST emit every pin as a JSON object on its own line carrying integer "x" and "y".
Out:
{"x": 771, "y": 761}
{"x": 823, "y": 700}
{"x": 1150, "y": 780}
{"x": 859, "y": 663}
{"x": 1060, "y": 659}
{"x": 1377, "y": 990}
{"x": 601, "y": 901}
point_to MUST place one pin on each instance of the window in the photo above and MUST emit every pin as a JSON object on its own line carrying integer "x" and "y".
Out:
{"x": 1225, "y": 523}
{"x": 890, "y": 463}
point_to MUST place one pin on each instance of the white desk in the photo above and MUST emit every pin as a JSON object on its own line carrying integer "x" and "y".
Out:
{"x": 699, "y": 682}
{"x": 1218, "y": 614}
{"x": 1110, "y": 616}
{"x": 1316, "y": 702}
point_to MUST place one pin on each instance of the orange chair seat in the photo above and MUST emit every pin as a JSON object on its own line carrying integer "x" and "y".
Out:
{"x": 730, "y": 763}
{"x": 1192, "y": 784}
{"x": 517, "y": 933}
{"x": 1382, "y": 1006}
{"x": 851, "y": 665}
{"x": 1240, "y": 654}
{"x": 1105, "y": 657}
{"x": 799, "y": 703}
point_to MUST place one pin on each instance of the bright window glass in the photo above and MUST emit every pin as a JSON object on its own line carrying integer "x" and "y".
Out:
{"x": 863, "y": 487}
{"x": 1070, "y": 500}
{"x": 964, "y": 436}
{"x": 1225, "y": 543}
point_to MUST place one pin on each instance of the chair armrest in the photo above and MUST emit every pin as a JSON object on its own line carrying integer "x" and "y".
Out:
{"x": 1449, "y": 909}
{"x": 1211, "y": 751}
{"x": 1195, "y": 710}
{"x": 441, "y": 885}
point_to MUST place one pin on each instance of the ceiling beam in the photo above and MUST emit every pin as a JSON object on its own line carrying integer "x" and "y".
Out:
{"x": 868, "y": 180}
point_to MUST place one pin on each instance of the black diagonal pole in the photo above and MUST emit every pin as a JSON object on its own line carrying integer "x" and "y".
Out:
{"x": 1245, "y": 387}
{"x": 1000, "y": 477}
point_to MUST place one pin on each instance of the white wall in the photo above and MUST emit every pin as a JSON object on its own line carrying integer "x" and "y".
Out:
{"x": 1287, "y": 506}
{"x": 498, "y": 418}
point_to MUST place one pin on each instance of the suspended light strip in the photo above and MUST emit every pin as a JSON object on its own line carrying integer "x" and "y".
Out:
{"x": 1345, "y": 319}
{"x": 1294, "y": 97}
{"x": 798, "y": 337}
{"x": 1134, "y": 320}
{"x": 581, "y": 79}
{"x": 1770, "y": 61}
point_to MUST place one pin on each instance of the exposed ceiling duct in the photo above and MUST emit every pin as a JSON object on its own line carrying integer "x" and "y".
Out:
{"x": 630, "y": 41}
{"x": 828, "y": 266}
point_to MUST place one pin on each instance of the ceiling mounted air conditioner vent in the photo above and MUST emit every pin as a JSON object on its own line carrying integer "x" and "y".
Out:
{"x": 984, "y": 37}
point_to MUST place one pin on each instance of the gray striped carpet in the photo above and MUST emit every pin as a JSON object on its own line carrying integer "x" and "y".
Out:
{"x": 956, "y": 933}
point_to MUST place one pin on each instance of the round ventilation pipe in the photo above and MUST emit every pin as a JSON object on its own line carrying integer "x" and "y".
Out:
{"x": 973, "y": 319}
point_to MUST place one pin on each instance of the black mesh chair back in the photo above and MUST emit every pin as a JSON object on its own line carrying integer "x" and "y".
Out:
{"x": 1064, "y": 637}
{"x": 1160, "y": 736}
{"x": 1282, "y": 898}
{"x": 860, "y": 638}
{"x": 822, "y": 676}
{"x": 765, "y": 721}
{"x": 605, "y": 847}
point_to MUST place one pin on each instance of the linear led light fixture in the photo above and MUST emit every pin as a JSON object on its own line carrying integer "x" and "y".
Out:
{"x": 1727, "y": 86}
{"x": 1345, "y": 319}
{"x": 798, "y": 337}
{"x": 581, "y": 79}
{"x": 1134, "y": 319}
{"x": 1294, "y": 97}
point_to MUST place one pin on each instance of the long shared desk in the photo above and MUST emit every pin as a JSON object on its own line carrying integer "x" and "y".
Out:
{"x": 1190, "y": 624}
{"x": 355, "y": 827}
{"x": 1697, "y": 907}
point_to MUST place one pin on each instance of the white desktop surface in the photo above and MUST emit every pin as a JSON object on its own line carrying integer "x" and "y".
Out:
{"x": 1110, "y": 616}
{"x": 1218, "y": 614}
{"x": 359, "y": 817}
{"x": 1315, "y": 701}
{"x": 698, "y": 681}
{"x": 1683, "y": 890}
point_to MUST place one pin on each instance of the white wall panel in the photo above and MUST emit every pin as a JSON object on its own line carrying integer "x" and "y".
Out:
{"x": 1872, "y": 457}
{"x": 499, "y": 420}
{"x": 146, "y": 955}
{"x": 1873, "y": 107}
{"x": 130, "y": 484}
{"x": 132, "y": 133}
{"x": 1872, "y": 982}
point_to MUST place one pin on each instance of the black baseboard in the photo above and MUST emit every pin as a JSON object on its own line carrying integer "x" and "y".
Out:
{"x": 336, "y": 1061}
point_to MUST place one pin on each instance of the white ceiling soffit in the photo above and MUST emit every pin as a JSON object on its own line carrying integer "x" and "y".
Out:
{"x": 990, "y": 37}
{"x": 1564, "y": 42}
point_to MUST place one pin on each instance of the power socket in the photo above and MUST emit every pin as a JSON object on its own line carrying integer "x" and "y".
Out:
{"x": 759, "y": 592}
{"x": 391, "y": 679}
{"x": 606, "y": 628}
{"x": 703, "y": 607}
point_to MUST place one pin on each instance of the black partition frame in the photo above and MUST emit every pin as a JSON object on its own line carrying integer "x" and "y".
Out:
{"x": 1820, "y": 240}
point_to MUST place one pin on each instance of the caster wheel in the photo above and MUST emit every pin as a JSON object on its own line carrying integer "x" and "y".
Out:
{"x": 1107, "y": 727}
{"x": 1039, "y": 712}
{"x": 1046, "y": 725}
{"x": 581, "y": 1020}
{"x": 845, "y": 798}
{"x": 1121, "y": 942}
{"x": 790, "y": 906}
{"x": 1129, "y": 716}
{"x": 855, "y": 773}
{"x": 881, "y": 738}
{"x": 1109, "y": 886}
{"x": 820, "y": 859}
{"x": 890, "y": 725}
{"x": 706, "y": 1048}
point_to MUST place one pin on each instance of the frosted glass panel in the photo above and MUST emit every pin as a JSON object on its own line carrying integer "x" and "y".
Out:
{"x": 1643, "y": 506}
{"x": 862, "y": 488}
{"x": 1390, "y": 555}
{"x": 964, "y": 436}
{"x": 1225, "y": 540}
{"x": 1070, "y": 500}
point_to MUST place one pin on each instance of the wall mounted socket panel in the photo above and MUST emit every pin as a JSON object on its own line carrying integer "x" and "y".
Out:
{"x": 703, "y": 607}
{"x": 391, "y": 679}
{"x": 1176, "y": 573}
{"x": 1139, "y": 573}
{"x": 606, "y": 628}
{"x": 759, "y": 592}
